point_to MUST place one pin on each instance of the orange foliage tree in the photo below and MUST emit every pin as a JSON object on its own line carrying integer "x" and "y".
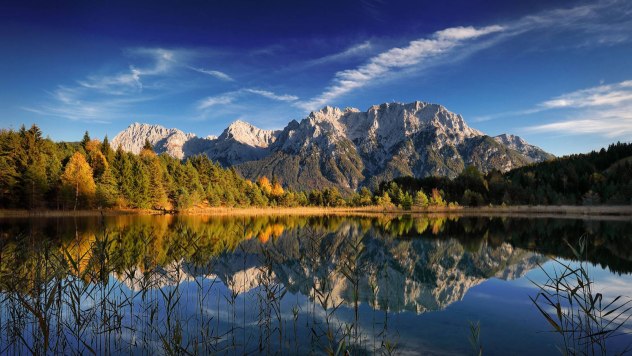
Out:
{"x": 77, "y": 178}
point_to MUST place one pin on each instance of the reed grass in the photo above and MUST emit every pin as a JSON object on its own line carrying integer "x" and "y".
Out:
{"x": 585, "y": 320}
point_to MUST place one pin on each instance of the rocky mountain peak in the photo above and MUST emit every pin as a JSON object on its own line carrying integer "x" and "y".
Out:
{"x": 347, "y": 148}
{"x": 248, "y": 134}
{"x": 133, "y": 138}
{"x": 516, "y": 143}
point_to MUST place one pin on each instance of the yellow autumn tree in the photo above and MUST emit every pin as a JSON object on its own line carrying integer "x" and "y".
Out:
{"x": 436, "y": 199}
{"x": 265, "y": 185}
{"x": 96, "y": 159}
{"x": 277, "y": 190}
{"x": 77, "y": 180}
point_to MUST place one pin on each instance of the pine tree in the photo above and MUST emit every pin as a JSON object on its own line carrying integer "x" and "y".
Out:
{"x": 123, "y": 167}
{"x": 10, "y": 178}
{"x": 85, "y": 140}
{"x": 140, "y": 197}
{"x": 35, "y": 183}
{"x": 107, "y": 191}
{"x": 106, "y": 150}
{"x": 407, "y": 201}
{"x": 147, "y": 146}
{"x": 157, "y": 191}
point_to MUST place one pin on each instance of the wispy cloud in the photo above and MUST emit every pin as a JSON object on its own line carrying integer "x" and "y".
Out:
{"x": 107, "y": 97}
{"x": 131, "y": 80}
{"x": 230, "y": 97}
{"x": 271, "y": 95}
{"x": 416, "y": 52}
{"x": 595, "y": 23}
{"x": 597, "y": 96}
{"x": 604, "y": 110}
{"x": 603, "y": 125}
{"x": 213, "y": 73}
{"x": 223, "y": 99}
{"x": 72, "y": 104}
{"x": 357, "y": 50}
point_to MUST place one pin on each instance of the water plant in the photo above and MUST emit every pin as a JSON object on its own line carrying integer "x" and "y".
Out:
{"x": 585, "y": 319}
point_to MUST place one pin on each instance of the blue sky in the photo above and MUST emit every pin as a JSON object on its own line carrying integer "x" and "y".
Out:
{"x": 558, "y": 73}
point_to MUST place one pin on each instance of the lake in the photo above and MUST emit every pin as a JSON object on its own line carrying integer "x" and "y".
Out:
{"x": 313, "y": 284}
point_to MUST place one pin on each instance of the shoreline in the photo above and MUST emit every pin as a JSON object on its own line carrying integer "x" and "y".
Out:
{"x": 569, "y": 211}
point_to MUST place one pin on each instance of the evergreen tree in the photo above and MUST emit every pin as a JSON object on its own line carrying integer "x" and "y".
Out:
{"x": 10, "y": 177}
{"x": 85, "y": 140}
{"x": 147, "y": 146}
{"x": 140, "y": 193}
{"x": 106, "y": 150}
{"x": 107, "y": 191}
{"x": 35, "y": 183}
{"x": 407, "y": 201}
{"x": 157, "y": 191}
{"x": 123, "y": 166}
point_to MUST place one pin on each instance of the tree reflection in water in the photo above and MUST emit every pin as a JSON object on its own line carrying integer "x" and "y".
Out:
{"x": 258, "y": 284}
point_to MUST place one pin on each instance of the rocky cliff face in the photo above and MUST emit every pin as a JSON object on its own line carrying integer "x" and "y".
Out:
{"x": 516, "y": 143}
{"x": 241, "y": 142}
{"x": 171, "y": 141}
{"x": 347, "y": 148}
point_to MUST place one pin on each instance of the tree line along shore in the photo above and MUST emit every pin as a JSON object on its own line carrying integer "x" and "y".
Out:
{"x": 37, "y": 174}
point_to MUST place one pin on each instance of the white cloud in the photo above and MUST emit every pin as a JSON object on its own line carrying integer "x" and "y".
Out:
{"x": 604, "y": 110}
{"x": 271, "y": 95}
{"x": 229, "y": 97}
{"x": 214, "y": 73}
{"x": 600, "y": 23}
{"x": 607, "y": 127}
{"x": 465, "y": 33}
{"x": 131, "y": 81}
{"x": 71, "y": 103}
{"x": 602, "y": 95}
{"x": 106, "y": 97}
{"x": 223, "y": 99}
{"x": 357, "y": 50}
{"x": 416, "y": 52}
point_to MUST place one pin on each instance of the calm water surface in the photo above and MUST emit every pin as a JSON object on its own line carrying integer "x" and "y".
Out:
{"x": 295, "y": 285}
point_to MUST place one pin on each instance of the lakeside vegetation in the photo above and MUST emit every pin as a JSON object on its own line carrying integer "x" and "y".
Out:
{"x": 39, "y": 174}
{"x": 599, "y": 177}
{"x": 287, "y": 284}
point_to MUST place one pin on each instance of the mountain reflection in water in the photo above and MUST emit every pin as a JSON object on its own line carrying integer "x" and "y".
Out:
{"x": 285, "y": 284}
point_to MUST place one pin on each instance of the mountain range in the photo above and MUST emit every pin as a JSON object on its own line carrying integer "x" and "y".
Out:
{"x": 396, "y": 274}
{"x": 346, "y": 148}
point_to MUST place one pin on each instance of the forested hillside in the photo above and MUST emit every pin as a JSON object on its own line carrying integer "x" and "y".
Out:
{"x": 37, "y": 173}
{"x": 599, "y": 177}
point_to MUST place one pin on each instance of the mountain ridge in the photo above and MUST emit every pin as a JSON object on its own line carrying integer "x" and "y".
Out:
{"x": 347, "y": 148}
